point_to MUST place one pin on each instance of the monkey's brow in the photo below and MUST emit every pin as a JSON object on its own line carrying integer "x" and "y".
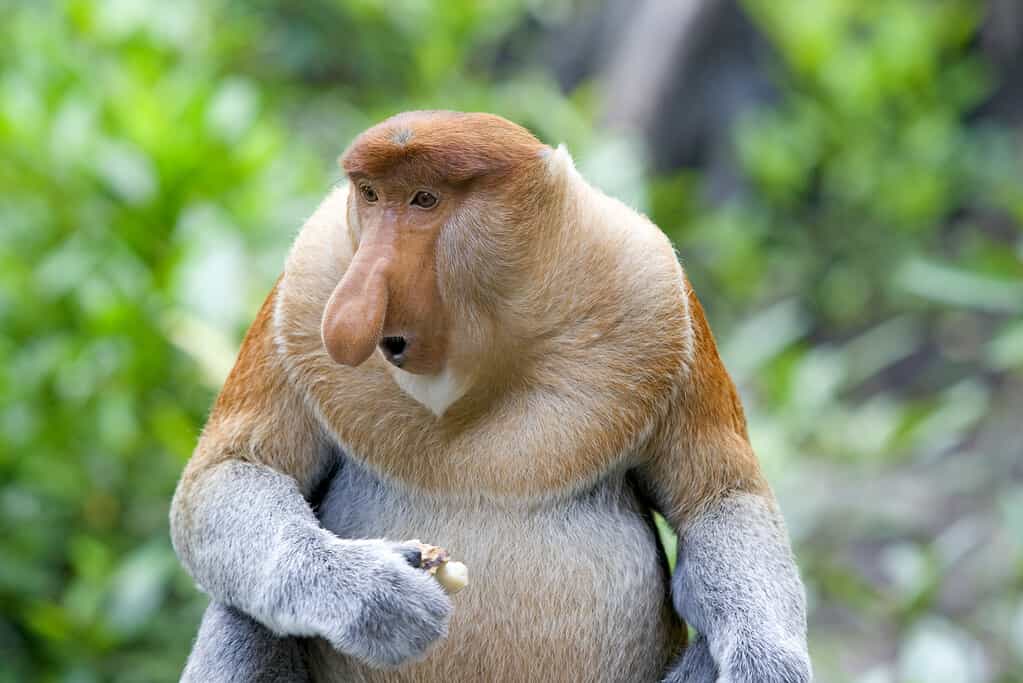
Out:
{"x": 409, "y": 179}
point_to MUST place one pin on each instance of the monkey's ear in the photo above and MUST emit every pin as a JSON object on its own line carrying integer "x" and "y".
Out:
{"x": 559, "y": 162}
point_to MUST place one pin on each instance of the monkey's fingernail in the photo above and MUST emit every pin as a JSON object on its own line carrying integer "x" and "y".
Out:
{"x": 413, "y": 556}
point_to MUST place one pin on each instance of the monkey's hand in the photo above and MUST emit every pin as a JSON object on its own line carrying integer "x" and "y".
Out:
{"x": 365, "y": 597}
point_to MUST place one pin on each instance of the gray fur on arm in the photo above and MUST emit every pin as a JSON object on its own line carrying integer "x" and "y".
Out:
{"x": 231, "y": 648}
{"x": 697, "y": 666}
{"x": 736, "y": 582}
{"x": 234, "y": 529}
{"x": 249, "y": 539}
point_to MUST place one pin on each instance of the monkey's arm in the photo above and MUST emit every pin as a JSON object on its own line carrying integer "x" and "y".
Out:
{"x": 242, "y": 527}
{"x": 232, "y": 647}
{"x": 735, "y": 579}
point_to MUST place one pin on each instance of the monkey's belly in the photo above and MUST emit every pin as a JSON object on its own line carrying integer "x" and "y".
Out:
{"x": 573, "y": 591}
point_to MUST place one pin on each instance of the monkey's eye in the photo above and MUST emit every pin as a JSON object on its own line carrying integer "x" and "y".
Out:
{"x": 424, "y": 200}
{"x": 368, "y": 193}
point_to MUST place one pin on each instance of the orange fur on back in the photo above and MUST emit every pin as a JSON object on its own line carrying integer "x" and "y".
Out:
{"x": 258, "y": 416}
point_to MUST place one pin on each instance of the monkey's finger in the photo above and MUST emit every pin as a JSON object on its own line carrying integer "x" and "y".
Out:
{"x": 412, "y": 555}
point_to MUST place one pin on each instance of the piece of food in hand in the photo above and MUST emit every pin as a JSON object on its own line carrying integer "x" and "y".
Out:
{"x": 452, "y": 576}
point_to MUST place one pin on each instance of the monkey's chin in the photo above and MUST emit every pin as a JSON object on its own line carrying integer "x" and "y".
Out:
{"x": 436, "y": 392}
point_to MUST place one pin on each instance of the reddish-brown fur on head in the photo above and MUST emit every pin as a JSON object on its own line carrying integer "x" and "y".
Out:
{"x": 391, "y": 288}
{"x": 451, "y": 145}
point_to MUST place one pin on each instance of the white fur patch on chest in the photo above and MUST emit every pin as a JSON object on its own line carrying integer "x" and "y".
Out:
{"x": 436, "y": 392}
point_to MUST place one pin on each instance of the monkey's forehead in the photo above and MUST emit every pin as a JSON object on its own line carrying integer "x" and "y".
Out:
{"x": 452, "y": 146}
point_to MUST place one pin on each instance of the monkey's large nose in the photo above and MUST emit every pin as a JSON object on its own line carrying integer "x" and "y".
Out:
{"x": 394, "y": 349}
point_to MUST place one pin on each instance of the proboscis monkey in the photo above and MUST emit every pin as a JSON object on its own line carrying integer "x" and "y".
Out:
{"x": 472, "y": 346}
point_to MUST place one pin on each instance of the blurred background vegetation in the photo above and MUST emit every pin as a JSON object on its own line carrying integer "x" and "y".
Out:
{"x": 843, "y": 180}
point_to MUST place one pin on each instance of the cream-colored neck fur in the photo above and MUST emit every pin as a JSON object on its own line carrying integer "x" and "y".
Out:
{"x": 436, "y": 392}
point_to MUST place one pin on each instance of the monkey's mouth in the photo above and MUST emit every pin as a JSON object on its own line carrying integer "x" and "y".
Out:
{"x": 394, "y": 350}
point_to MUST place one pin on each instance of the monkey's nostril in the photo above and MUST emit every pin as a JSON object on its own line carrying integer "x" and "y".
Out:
{"x": 394, "y": 349}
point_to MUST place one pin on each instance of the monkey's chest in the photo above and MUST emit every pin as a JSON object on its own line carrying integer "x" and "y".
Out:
{"x": 574, "y": 590}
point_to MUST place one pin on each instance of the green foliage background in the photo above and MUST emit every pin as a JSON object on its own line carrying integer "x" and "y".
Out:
{"x": 867, "y": 292}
